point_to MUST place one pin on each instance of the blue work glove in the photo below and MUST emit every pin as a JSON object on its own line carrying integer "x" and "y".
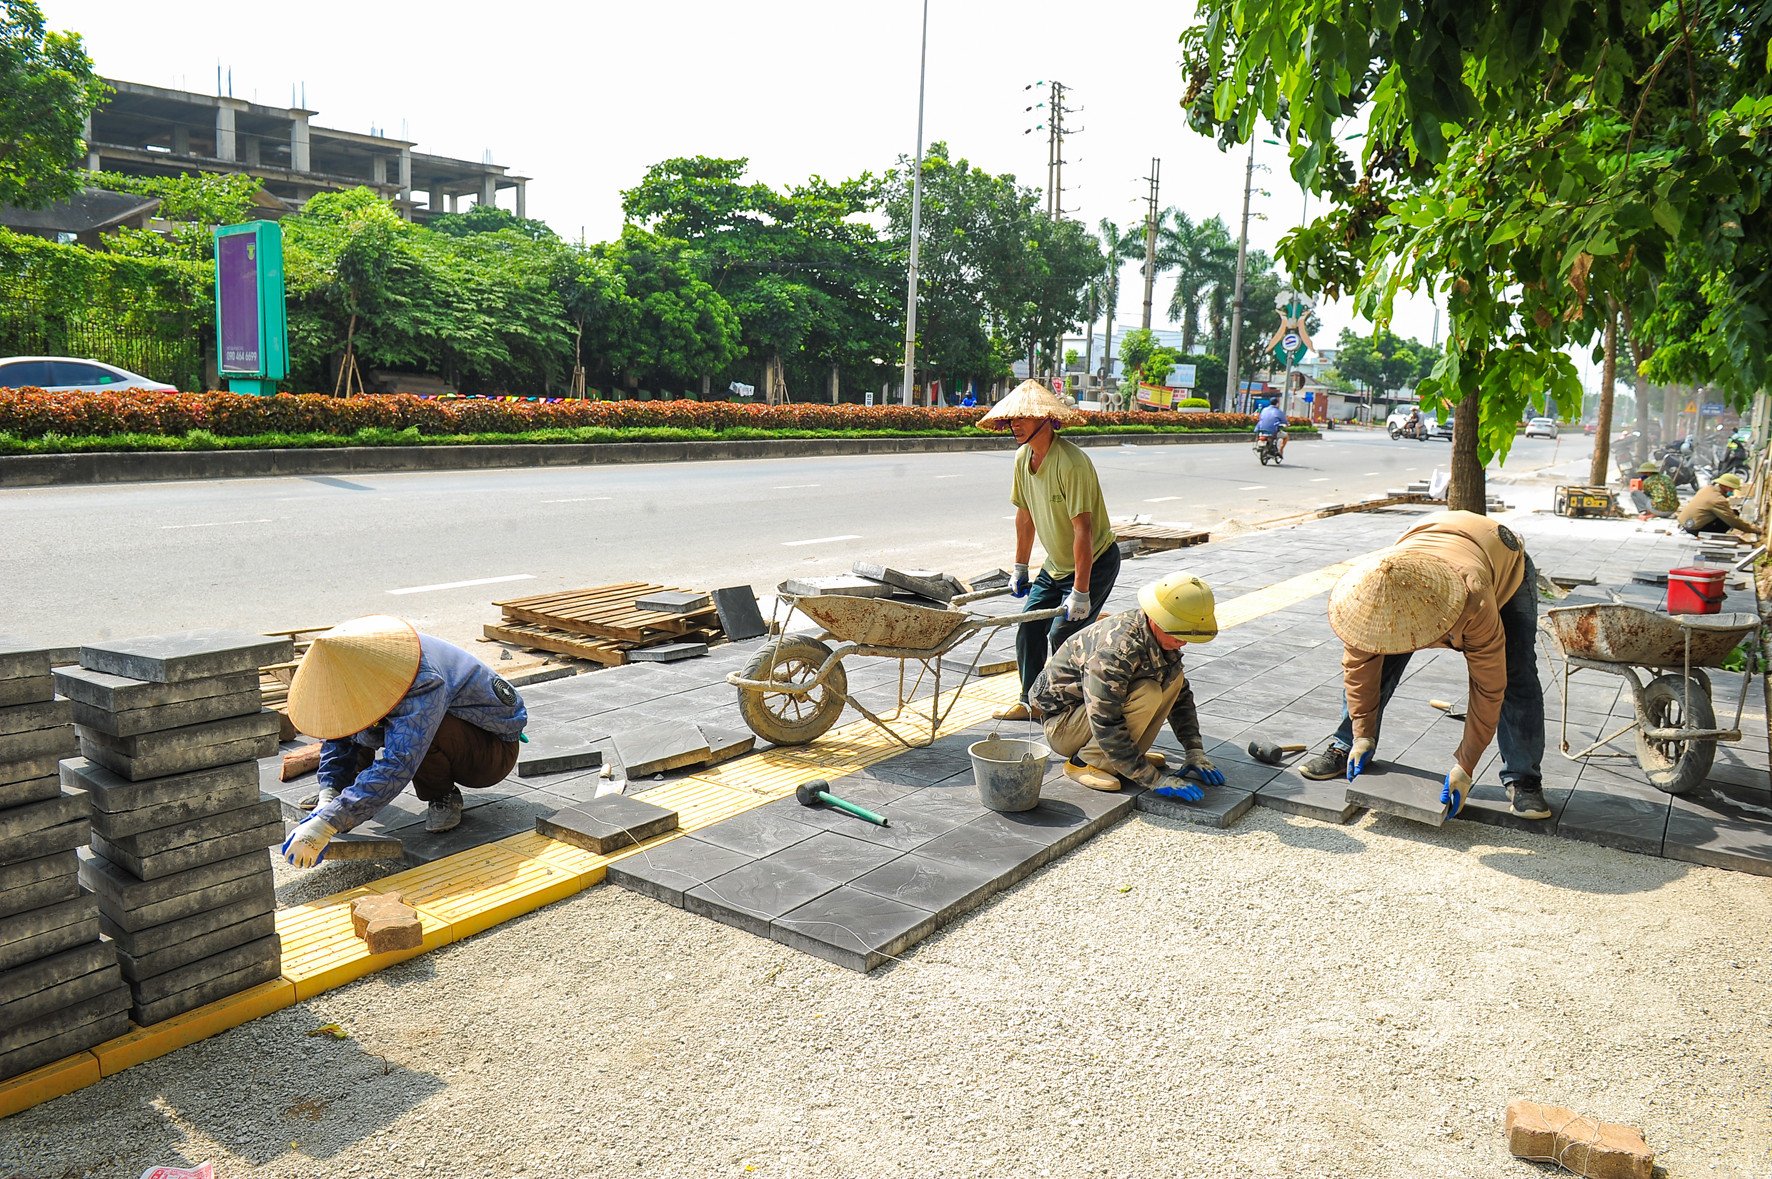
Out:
{"x": 1359, "y": 757}
{"x": 1076, "y": 606}
{"x": 1454, "y": 790}
{"x": 306, "y": 845}
{"x": 1200, "y": 766}
{"x": 1018, "y": 582}
{"x": 1175, "y": 786}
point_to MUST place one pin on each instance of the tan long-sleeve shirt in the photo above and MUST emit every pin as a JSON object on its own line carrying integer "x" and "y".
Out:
{"x": 1491, "y": 561}
{"x": 1709, "y": 505}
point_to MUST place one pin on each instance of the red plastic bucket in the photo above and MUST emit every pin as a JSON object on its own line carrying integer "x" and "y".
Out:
{"x": 1694, "y": 591}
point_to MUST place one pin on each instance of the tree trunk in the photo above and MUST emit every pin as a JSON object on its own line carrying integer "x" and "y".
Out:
{"x": 1642, "y": 448}
{"x": 1597, "y": 472}
{"x": 1468, "y": 491}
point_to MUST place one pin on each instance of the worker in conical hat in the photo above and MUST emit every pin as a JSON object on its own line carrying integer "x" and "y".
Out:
{"x": 392, "y": 707}
{"x": 1457, "y": 580}
{"x": 1057, "y": 498}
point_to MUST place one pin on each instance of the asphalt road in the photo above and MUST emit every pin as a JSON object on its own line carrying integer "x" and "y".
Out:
{"x": 111, "y": 561}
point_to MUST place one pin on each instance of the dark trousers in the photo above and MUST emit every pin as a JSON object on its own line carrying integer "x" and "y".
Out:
{"x": 1707, "y": 526}
{"x": 460, "y": 755}
{"x": 1035, "y": 641}
{"x": 1520, "y": 733}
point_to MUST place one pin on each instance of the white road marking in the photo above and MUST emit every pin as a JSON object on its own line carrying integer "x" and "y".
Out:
{"x": 214, "y": 524}
{"x": 793, "y": 486}
{"x": 443, "y": 585}
{"x": 1254, "y": 487}
{"x": 950, "y": 476}
{"x": 589, "y": 499}
{"x": 789, "y": 544}
{"x": 1371, "y": 472}
{"x": 1323, "y": 479}
{"x": 1162, "y": 499}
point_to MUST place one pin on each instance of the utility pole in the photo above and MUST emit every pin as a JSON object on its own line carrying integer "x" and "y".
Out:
{"x": 910, "y": 316}
{"x": 1150, "y": 238}
{"x": 1232, "y": 381}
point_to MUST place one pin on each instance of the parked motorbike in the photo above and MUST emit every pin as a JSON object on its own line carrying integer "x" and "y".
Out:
{"x": 1734, "y": 458}
{"x": 1267, "y": 448}
{"x": 1676, "y": 464}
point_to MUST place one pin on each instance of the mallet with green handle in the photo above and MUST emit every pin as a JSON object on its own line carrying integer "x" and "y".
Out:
{"x": 816, "y": 792}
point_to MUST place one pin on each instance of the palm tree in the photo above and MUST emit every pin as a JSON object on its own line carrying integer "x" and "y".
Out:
{"x": 1205, "y": 261}
{"x": 1118, "y": 246}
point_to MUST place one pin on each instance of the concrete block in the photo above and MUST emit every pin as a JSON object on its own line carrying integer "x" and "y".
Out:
{"x": 167, "y": 716}
{"x": 167, "y": 763}
{"x": 59, "y": 990}
{"x": 656, "y": 748}
{"x": 846, "y": 585}
{"x": 665, "y": 872}
{"x": 667, "y": 653}
{"x": 386, "y": 923}
{"x": 925, "y": 583}
{"x": 753, "y": 895}
{"x": 673, "y": 601}
{"x": 15, "y": 794}
{"x": 255, "y": 953}
{"x": 107, "y": 1027}
{"x": 1405, "y": 797}
{"x": 136, "y": 904}
{"x": 24, "y": 769}
{"x": 266, "y": 834}
{"x": 186, "y": 738}
{"x": 37, "y": 844}
{"x": 355, "y": 847}
{"x": 854, "y": 928}
{"x": 112, "y": 999}
{"x": 21, "y": 821}
{"x": 53, "y": 891}
{"x": 1723, "y": 826}
{"x": 23, "y": 873}
{"x": 27, "y": 718}
{"x": 558, "y": 751}
{"x": 150, "y": 940}
{"x": 21, "y": 984}
{"x": 116, "y": 693}
{"x": 757, "y": 833}
{"x": 990, "y": 580}
{"x": 169, "y": 815}
{"x": 608, "y": 824}
{"x": 726, "y": 744}
{"x": 175, "y": 955}
{"x": 255, "y": 812}
{"x": 127, "y": 802}
{"x": 941, "y": 887}
{"x": 219, "y": 987}
{"x": 740, "y": 617}
{"x": 52, "y": 743}
{"x": 1222, "y": 806}
{"x": 1553, "y": 1134}
{"x": 191, "y": 655}
{"x": 1325, "y": 801}
{"x": 20, "y": 661}
{"x": 49, "y": 930}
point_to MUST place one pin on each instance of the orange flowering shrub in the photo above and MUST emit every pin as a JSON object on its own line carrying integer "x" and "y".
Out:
{"x": 32, "y": 413}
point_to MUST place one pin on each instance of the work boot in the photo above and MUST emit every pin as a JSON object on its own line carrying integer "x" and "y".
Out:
{"x": 445, "y": 813}
{"x": 1088, "y": 775}
{"x": 1015, "y": 712}
{"x": 314, "y": 802}
{"x": 1331, "y": 763}
{"x": 1528, "y": 800}
{"x": 1156, "y": 759}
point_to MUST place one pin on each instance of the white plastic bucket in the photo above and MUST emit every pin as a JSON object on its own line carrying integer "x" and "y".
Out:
{"x": 1008, "y": 772}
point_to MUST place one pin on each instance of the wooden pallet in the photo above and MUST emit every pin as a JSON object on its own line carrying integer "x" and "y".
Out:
{"x": 1160, "y": 538}
{"x": 608, "y": 612}
{"x": 544, "y": 638}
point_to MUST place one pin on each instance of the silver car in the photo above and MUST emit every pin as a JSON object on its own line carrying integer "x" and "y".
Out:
{"x": 71, "y": 374}
{"x": 1541, "y": 428}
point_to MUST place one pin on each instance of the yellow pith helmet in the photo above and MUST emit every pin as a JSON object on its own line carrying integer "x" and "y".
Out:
{"x": 1181, "y": 605}
{"x": 1732, "y": 481}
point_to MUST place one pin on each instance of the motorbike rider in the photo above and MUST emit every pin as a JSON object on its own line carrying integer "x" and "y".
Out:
{"x": 1272, "y": 424}
{"x": 1412, "y": 424}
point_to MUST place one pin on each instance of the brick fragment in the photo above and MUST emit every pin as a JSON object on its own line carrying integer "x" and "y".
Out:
{"x": 386, "y": 922}
{"x": 1599, "y": 1150}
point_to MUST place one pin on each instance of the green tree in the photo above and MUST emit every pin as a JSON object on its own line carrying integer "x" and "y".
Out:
{"x": 1204, "y": 258}
{"x": 489, "y": 219}
{"x": 673, "y": 325}
{"x": 1136, "y": 349}
{"x": 1118, "y": 247}
{"x": 194, "y": 204}
{"x": 1383, "y": 361}
{"x": 49, "y": 90}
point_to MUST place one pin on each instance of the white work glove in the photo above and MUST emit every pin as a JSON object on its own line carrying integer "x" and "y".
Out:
{"x": 306, "y": 845}
{"x": 1359, "y": 757}
{"x": 1018, "y": 582}
{"x": 1200, "y": 767}
{"x": 1454, "y": 790}
{"x": 1076, "y": 606}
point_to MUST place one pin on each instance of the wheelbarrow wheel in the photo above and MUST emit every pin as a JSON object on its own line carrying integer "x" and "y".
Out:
{"x": 1675, "y": 766}
{"x": 782, "y": 718}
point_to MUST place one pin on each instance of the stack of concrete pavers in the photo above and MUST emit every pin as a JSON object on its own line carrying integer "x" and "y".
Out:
{"x": 60, "y": 992}
{"x": 170, "y": 729}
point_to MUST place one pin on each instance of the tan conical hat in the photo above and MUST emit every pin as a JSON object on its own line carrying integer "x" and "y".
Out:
{"x": 353, "y": 675}
{"x": 1396, "y": 601}
{"x": 1031, "y": 399}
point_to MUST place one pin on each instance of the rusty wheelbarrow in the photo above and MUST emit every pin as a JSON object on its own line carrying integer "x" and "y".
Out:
{"x": 1676, "y": 726}
{"x": 794, "y": 688}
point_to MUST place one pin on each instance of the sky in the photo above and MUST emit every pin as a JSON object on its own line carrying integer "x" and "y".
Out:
{"x": 582, "y": 98}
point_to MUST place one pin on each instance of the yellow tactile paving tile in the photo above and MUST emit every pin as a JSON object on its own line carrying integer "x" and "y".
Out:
{"x": 475, "y": 891}
{"x": 586, "y": 866}
{"x": 321, "y": 950}
{"x": 143, "y": 1044}
{"x": 52, "y": 1080}
{"x": 1281, "y": 594}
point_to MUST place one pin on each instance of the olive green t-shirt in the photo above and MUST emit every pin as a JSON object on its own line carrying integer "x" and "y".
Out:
{"x": 1064, "y": 488}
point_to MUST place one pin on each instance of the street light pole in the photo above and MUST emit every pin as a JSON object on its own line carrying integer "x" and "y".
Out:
{"x": 1232, "y": 384}
{"x": 910, "y": 317}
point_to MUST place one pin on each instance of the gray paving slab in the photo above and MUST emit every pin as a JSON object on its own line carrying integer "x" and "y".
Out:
{"x": 1489, "y": 805}
{"x": 556, "y": 750}
{"x": 726, "y": 742}
{"x": 49, "y": 930}
{"x": 55, "y": 1022}
{"x": 18, "y": 794}
{"x": 672, "y": 601}
{"x": 188, "y": 738}
{"x": 836, "y": 857}
{"x": 165, "y": 764}
{"x": 116, "y": 795}
{"x": 28, "y": 897}
{"x": 758, "y": 833}
{"x": 146, "y": 1014}
{"x": 1595, "y": 813}
{"x": 120, "y": 694}
{"x": 138, "y": 721}
{"x": 50, "y": 866}
{"x": 267, "y": 832}
{"x": 48, "y": 841}
{"x": 43, "y": 1003}
{"x": 32, "y": 747}
{"x": 135, "y": 904}
{"x": 1401, "y": 792}
{"x": 168, "y": 820}
{"x": 1325, "y": 801}
{"x": 1722, "y": 826}
{"x": 944, "y": 887}
{"x": 854, "y": 928}
{"x": 668, "y": 652}
{"x": 28, "y": 718}
{"x": 232, "y": 960}
{"x": 1222, "y": 806}
{"x": 660, "y": 747}
{"x": 170, "y": 935}
{"x": 664, "y": 872}
{"x": 740, "y": 617}
{"x": 609, "y": 823}
{"x": 914, "y": 821}
{"x": 1009, "y": 854}
{"x": 20, "y": 821}
{"x": 191, "y": 655}
{"x": 41, "y": 765}
{"x": 22, "y": 660}
{"x": 752, "y": 895}
{"x": 54, "y": 1048}
{"x": 178, "y": 954}
{"x": 18, "y": 985}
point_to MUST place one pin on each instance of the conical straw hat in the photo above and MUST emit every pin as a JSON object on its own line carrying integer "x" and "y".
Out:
{"x": 353, "y": 675}
{"x": 1031, "y": 399}
{"x": 1396, "y": 601}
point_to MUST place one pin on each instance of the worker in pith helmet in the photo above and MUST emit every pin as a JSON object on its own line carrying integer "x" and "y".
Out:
{"x": 394, "y": 706}
{"x": 1108, "y": 689}
{"x": 1708, "y": 510}
{"x": 1057, "y": 499}
{"x": 1456, "y": 580}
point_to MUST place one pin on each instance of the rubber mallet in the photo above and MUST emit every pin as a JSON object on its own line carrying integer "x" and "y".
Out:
{"x": 814, "y": 793}
{"x": 1273, "y": 755}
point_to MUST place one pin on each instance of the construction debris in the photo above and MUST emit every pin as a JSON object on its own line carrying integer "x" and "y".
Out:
{"x": 297, "y": 762}
{"x": 1160, "y": 538}
{"x": 925, "y": 583}
{"x": 386, "y": 923}
{"x": 1600, "y": 1150}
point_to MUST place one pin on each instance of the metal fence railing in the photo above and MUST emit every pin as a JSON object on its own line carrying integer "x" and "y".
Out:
{"x": 27, "y": 330}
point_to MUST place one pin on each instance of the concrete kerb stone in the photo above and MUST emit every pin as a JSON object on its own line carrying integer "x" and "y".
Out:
{"x": 187, "y": 655}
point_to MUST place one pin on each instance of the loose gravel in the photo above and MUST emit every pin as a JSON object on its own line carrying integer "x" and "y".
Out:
{"x": 1284, "y": 998}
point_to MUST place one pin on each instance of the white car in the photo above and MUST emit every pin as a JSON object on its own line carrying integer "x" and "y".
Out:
{"x": 1541, "y": 428}
{"x": 71, "y": 374}
{"x": 1398, "y": 417}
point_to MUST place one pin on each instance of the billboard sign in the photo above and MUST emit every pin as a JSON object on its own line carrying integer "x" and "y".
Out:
{"x": 1156, "y": 396}
{"x": 1185, "y": 376}
{"x": 252, "y": 339}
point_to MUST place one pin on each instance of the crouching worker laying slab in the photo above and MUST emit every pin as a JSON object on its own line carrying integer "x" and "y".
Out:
{"x": 1455, "y": 580}
{"x": 394, "y": 706}
{"x": 1108, "y": 689}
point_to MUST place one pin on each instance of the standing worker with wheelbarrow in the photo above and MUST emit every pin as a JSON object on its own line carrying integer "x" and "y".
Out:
{"x": 1057, "y": 498}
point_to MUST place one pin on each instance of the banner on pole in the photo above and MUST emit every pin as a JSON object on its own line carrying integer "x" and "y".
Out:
{"x": 1156, "y": 396}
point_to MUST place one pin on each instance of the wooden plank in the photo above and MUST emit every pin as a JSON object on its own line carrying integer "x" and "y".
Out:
{"x": 1159, "y": 538}
{"x": 542, "y": 639}
{"x": 607, "y": 612}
